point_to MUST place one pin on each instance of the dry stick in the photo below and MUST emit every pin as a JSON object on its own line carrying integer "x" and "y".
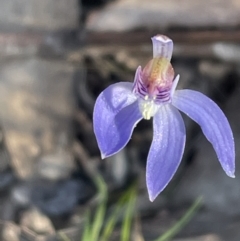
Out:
{"x": 142, "y": 37}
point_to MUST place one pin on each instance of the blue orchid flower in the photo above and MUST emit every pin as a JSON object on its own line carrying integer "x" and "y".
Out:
{"x": 121, "y": 106}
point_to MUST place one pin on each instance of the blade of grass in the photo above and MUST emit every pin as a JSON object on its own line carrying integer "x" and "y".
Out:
{"x": 98, "y": 222}
{"x": 182, "y": 222}
{"x": 101, "y": 209}
{"x": 112, "y": 220}
{"x": 64, "y": 237}
{"x": 87, "y": 226}
{"x": 102, "y": 188}
{"x": 127, "y": 220}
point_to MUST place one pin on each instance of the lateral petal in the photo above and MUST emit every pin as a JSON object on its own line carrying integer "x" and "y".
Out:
{"x": 213, "y": 122}
{"x": 115, "y": 115}
{"x": 166, "y": 149}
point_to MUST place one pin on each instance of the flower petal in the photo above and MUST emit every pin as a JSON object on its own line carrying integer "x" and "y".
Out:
{"x": 166, "y": 150}
{"x": 139, "y": 89}
{"x": 115, "y": 115}
{"x": 174, "y": 86}
{"x": 162, "y": 47}
{"x": 213, "y": 122}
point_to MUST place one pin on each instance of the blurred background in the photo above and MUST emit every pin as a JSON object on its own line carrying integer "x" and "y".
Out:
{"x": 56, "y": 56}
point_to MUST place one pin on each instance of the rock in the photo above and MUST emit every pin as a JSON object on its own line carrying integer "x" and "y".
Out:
{"x": 7, "y": 210}
{"x": 48, "y": 15}
{"x": 127, "y": 15}
{"x": 56, "y": 166}
{"x": 36, "y": 106}
{"x": 21, "y": 195}
{"x": 57, "y": 199}
{"x": 37, "y": 222}
{"x": 227, "y": 52}
{"x": 10, "y": 232}
{"x": 6, "y": 179}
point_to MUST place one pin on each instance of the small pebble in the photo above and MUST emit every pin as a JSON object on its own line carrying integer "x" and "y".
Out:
{"x": 37, "y": 222}
{"x": 10, "y": 232}
{"x": 20, "y": 194}
{"x": 56, "y": 166}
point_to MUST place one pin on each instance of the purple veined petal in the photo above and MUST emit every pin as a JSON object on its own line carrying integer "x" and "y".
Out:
{"x": 162, "y": 47}
{"x": 139, "y": 88}
{"x": 174, "y": 85}
{"x": 115, "y": 115}
{"x": 137, "y": 76}
{"x": 166, "y": 149}
{"x": 213, "y": 122}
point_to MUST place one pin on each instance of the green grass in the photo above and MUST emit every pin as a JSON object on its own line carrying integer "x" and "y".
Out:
{"x": 170, "y": 233}
{"x": 99, "y": 226}
{"x": 97, "y": 229}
